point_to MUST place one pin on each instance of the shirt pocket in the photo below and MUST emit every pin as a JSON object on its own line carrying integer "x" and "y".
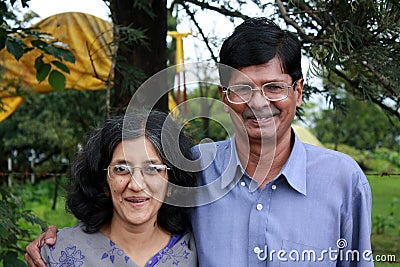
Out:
{"x": 297, "y": 254}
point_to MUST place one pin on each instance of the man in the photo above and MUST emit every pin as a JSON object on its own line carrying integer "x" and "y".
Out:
{"x": 284, "y": 203}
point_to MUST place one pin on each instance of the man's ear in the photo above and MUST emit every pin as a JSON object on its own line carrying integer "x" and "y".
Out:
{"x": 299, "y": 90}
{"x": 223, "y": 98}
{"x": 220, "y": 91}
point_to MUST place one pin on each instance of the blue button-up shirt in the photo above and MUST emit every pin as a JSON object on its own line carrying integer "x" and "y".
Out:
{"x": 316, "y": 212}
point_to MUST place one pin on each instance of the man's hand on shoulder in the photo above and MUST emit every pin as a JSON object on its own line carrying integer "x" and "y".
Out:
{"x": 32, "y": 255}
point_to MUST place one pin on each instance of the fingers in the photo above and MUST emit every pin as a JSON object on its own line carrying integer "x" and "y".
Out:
{"x": 50, "y": 235}
{"x": 32, "y": 255}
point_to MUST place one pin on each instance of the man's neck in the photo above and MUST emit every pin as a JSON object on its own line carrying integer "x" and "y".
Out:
{"x": 263, "y": 159}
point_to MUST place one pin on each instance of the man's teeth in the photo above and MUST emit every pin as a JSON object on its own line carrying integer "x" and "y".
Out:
{"x": 260, "y": 119}
{"x": 137, "y": 200}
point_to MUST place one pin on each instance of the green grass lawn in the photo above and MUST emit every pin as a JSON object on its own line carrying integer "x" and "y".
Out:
{"x": 386, "y": 200}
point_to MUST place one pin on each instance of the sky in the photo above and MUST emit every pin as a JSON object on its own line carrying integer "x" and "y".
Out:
{"x": 46, "y": 8}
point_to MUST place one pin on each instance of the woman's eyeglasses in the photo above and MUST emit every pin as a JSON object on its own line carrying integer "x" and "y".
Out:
{"x": 125, "y": 172}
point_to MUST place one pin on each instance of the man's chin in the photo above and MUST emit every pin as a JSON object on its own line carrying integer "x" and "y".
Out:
{"x": 264, "y": 129}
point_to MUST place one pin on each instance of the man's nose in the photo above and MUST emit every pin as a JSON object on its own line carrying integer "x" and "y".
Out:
{"x": 258, "y": 100}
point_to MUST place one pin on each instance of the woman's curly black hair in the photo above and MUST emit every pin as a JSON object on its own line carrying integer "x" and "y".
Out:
{"x": 88, "y": 193}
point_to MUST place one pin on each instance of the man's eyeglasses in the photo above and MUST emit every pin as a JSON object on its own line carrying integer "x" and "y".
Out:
{"x": 242, "y": 93}
{"x": 125, "y": 172}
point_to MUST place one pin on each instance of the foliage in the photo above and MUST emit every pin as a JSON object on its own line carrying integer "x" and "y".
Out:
{"x": 210, "y": 122}
{"x": 358, "y": 124}
{"x": 19, "y": 40}
{"x": 48, "y": 128}
{"x": 380, "y": 222}
{"x": 12, "y": 213}
{"x": 355, "y": 42}
{"x": 370, "y": 161}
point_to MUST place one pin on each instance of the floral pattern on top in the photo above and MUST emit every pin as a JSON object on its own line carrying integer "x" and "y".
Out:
{"x": 75, "y": 248}
{"x": 113, "y": 252}
{"x": 69, "y": 257}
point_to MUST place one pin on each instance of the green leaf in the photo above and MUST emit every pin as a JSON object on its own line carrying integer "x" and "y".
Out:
{"x": 68, "y": 56}
{"x": 39, "y": 62}
{"x": 25, "y": 3}
{"x": 3, "y": 36}
{"x": 11, "y": 260}
{"x": 42, "y": 72}
{"x": 52, "y": 50}
{"x": 39, "y": 44}
{"x": 57, "y": 80}
{"x": 3, "y": 232}
{"x": 60, "y": 53}
{"x": 15, "y": 48}
{"x": 60, "y": 65}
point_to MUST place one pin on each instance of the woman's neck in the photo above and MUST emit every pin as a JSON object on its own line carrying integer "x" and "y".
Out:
{"x": 139, "y": 242}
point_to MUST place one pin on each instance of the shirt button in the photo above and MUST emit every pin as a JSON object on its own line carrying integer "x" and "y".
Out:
{"x": 257, "y": 250}
{"x": 273, "y": 187}
{"x": 243, "y": 184}
{"x": 259, "y": 206}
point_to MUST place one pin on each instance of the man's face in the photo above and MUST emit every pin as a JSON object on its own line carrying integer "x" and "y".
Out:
{"x": 260, "y": 118}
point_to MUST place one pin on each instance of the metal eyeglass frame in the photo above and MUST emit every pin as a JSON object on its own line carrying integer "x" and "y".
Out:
{"x": 226, "y": 91}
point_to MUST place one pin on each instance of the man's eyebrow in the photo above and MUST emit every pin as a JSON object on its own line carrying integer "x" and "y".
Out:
{"x": 243, "y": 83}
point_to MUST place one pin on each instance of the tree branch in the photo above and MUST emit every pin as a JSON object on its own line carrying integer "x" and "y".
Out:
{"x": 354, "y": 85}
{"x": 191, "y": 14}
{"x": 291, "y": 22}
{"x": 381, "y": 78}
{"x": 205, "y": 5}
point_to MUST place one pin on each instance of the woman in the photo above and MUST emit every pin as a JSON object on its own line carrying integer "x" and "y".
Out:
{"x": 119, "y": 182}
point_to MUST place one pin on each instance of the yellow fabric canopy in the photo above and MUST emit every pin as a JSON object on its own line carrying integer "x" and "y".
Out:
{"x": 89, "y": 38}
{"x": 306, "y": 136}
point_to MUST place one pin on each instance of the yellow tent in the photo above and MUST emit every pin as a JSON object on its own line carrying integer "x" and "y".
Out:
{"x": 90, "y": 40}
{"x": 306, "y": 136}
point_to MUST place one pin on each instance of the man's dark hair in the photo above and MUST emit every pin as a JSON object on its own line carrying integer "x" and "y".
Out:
{"x": 256, "y": 41}
{"x": 88, "y": 196}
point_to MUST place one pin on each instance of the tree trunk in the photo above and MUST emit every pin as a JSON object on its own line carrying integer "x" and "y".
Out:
{"x": 149, "y": 58}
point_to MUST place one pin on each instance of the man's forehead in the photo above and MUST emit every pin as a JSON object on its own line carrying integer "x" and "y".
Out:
{"x": 257, "y": 76}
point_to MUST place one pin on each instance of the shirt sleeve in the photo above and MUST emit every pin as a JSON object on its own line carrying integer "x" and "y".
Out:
{"x": 355, "y": 243}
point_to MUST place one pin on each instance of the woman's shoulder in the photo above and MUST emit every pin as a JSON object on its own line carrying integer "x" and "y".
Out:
{"x": 187, "y": 239}
{"x": 72, "y": 232}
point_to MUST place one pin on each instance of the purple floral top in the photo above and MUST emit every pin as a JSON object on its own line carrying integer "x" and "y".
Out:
{"x": 75, "y": 248}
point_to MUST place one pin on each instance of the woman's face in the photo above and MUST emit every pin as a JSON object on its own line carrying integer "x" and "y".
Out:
{"x": 136, "y": 198}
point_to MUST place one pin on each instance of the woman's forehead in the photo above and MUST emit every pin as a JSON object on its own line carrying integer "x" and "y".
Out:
{"x": 139, "y": 149}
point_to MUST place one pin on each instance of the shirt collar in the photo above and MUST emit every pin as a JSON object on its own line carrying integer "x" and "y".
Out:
{"x": 294, "y": 169}
{"x": 234, "y": 170}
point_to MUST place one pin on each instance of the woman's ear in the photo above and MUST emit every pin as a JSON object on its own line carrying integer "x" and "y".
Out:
{"x": 106, "y": 191}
